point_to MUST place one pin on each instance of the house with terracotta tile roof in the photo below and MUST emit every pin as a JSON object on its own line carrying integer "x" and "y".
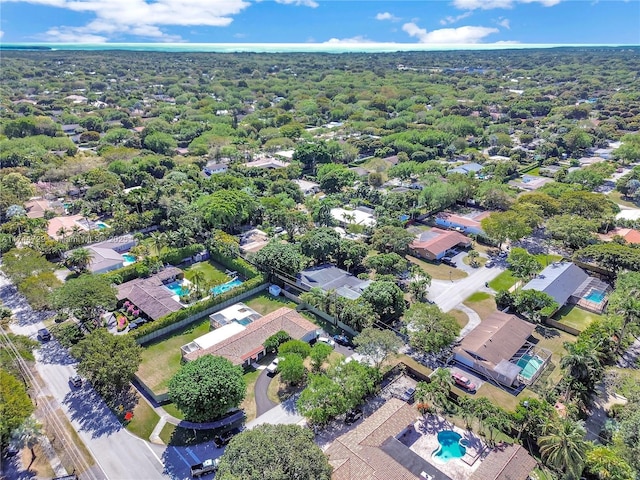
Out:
{"x": 435, "y": 243}
{"x": 506, "y": 462}
{"x": 246, "y": 345}
{"x": 36, "y": 207}
{"x": 628, "y": 234}
{"x": 469, "y": 223}
{"x": 68, "y": 224}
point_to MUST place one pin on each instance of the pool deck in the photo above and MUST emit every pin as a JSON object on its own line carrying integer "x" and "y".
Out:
{"x": 423, "y": 440}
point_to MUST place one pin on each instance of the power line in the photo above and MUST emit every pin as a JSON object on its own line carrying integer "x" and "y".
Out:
{"x": 58, "y": 427}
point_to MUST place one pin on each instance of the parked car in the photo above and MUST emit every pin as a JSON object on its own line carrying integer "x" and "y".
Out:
{"x": 272, "y": 368}
{"x": 208, "y": 466}
{"x": 343, "y": 340}
{"x": 503, "y": 254}
{"x": 407, "y": 395}
{"x": 489, "y": 264}
{"x": 328, "y": 340}
{"x": 463, "y": 382}
{"x": 44, "y": 335}
{"x": 353, "y": 416}
{"x": 75, "y": 380}
{"x": 448, "y": 261}
{"x": 224, "y": 438}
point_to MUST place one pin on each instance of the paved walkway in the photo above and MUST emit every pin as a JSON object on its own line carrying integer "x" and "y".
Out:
{"x": 474, "y": 319}
{"x": 630, "y": 357}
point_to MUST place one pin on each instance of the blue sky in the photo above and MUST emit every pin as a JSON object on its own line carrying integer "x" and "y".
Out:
{"x": 322, "y": 21}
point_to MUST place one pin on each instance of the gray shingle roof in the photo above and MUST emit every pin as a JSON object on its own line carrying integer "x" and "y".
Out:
{"x": 328, "y": 277}
{"x": 560, "y": 280}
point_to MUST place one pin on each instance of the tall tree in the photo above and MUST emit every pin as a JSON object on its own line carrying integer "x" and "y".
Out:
{"x": 79, "y": 259}
{"x": 274, "y": 452}
{"x": 385, "y": 298}
{"x": 378, "y": 345}
{"x": 108, "y": 361}
{"x": 28, "y": 435}
{"x": 429, "y": 328}
{"x": 86, "y": 297}
{"x": 278, "y": 257}
{"x": 563, "y": 447}
{"x": 392, "y": 239}
{"x": 15, "y": 405}
{"x": 207, "y": 388}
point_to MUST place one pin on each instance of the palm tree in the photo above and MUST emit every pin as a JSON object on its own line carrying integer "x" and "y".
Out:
{"x": 61, "y": 233}
{"x": 473, "y": 258}
{"x": 418, "y": 286}
{"x": 158, "y": 240}
{"x": 564, "y": 448}
{"x": 79, "y": 259}
{"x": 629, "y": 310}
{"x": 198, "y": 278}
{"x": 27, "y": 435}
{"x": 582, "y": 362}
{"x": 466, "y": 409}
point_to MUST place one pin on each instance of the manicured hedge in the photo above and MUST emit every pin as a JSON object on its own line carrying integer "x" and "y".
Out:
{"x": 196, "y": 308}
{"x": 175, "y": 256}
{"x": 244, "y": 268}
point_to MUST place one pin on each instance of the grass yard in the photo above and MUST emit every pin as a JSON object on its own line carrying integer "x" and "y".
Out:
{"x": 161, "y": 359}
{"x": 547, "y": 259}
{"x": 439, "y": 272}
{"x": 504, "y": 281}
{"x": 376, "y": 165}
{"x": 480, "y": 261}
{"x": 498, "y": 396}
{"x": 264, "y": 303}
{"x": 617, "y": 197}
{"x": 461, "y": 318}
{"x": 144, "y": 420}
{"x": 482, "y": 303}
{"x": 249, "y": 402}
{"x": 575, "y": 317}
{"x": 212, "y": 273}
{"x": 174, "y": 411}
{"x": 178, "y": 436}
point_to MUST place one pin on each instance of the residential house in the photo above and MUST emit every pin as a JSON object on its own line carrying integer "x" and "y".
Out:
{"x": 253, "y": 241}
{"x": 506, "y": 462}
{"x": 69, "y": 224}
{"x": 629, "y": 235}
{"x": 151, "y": 295}
{"x": 567, "y": 283}
{"x": 435, "y": 243}
{"x": 466, "y": 168}
{"x": 213, "y": 167}
{"x": 469, "y": 223}
{"x": 307, "y": 187}
{"x": 245, "y": 341}
{"x": 36, "y": 207}
{"x": 495, "y": 347}
{"x": 267, "y": 162}
{"x": 107, "y": 255}
{"x": 359, "y": 216}
{"x": 372, "y": 451}
{"x": 360, "y": 172}
{"x": 238, "y": 312}
{"x": 331, "y": 278}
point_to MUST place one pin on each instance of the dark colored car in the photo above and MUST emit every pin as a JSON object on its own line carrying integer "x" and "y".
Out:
{"x": 342, "y": 340}
{"x": 44, "y": 335}
{"x": 75, "y": 380}
{"x": 353, "y": 416}
{"x": 224, "y": 438}
{"x": 448, "y": 261}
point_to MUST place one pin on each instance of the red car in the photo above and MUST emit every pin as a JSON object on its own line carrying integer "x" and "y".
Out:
{"x": 463, "y": 382}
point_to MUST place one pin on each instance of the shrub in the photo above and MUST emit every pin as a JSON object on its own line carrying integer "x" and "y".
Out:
{"x": 68, "y": 333}
{"x": 175, "y": 256}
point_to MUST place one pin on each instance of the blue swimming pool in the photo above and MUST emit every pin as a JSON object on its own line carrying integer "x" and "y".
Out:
{"x": 101, "y": 225}
{"x": 177, "y": 288}
{"x": 129, "y": 258}
{"x": 245, "y": 321}
{"x": 225, "y": 287}
{"x": 595, "y": 296}
{"x": 450, "y": 446}
{"x": 530, "y": 365}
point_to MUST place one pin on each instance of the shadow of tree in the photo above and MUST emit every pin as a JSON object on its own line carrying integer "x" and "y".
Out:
{"x": 52, "y": 352}
{"x": 91, "y": 412}
{"x": 546, "y": 332}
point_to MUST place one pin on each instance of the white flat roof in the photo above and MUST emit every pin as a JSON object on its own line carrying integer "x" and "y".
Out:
{"x": 357, "y": 217}
{"x": 237, "y": 311}
{"x": 218, "y": 335}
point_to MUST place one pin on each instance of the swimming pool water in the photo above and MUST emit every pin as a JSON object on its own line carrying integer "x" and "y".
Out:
{"x": 244, "y": 321}
{"x": 101, "y": 225}
{"x": 177, "y": 288}
{"x": 225, "y": 287}
{"x": 595, "y": 296}
{"x": 530, "y": 365}
{"x": 129, "y": 258}
{"x": 450, "y": 447}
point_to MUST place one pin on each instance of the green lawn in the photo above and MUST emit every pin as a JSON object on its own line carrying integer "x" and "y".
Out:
{"x": 482, "y": 303}
{"x": 161, "y": 359}
{"x": 439, "y": 272}
{"x": 178, "y": 436}
{"x": 144, "y": 420}
{"x": 249, "y": 402}
{"x": 461, "y": 318}
{"x": 479, "y": 260}
{"x": 617, "y": 197}
{"x": 174, "y": 411}
{"x": 504, "y": 281}
{"x": 212, "y": 273}
{"x": 264, "y": 303}
{"x": 547, "y": 259}
{"x": 575, "y": 317}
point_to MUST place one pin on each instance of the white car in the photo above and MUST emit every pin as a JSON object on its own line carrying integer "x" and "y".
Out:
{"x": 328, "y": 340}
{"x": 272, "y": 368}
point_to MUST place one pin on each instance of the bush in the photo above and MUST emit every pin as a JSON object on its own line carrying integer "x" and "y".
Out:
{"x": 298, "y": 347}
{"x": 123, "y": 275}
{"x": 272, "y": 343}
{"x": 237, "y": 264}
{"x": 175, "y": 256}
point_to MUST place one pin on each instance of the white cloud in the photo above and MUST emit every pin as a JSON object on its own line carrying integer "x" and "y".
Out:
{"x": 141, "y": 17}
{"x": 357, "y": 39}
{"x": 491, "y": 4}
{"x": 387, "y": 16}
{"x": 505, "y": 23}
{"x": 1, "y": 33}
{"x": 299, "y": 3}
{"x": 462, "y": 35}
{"x": 450, "y": 19}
